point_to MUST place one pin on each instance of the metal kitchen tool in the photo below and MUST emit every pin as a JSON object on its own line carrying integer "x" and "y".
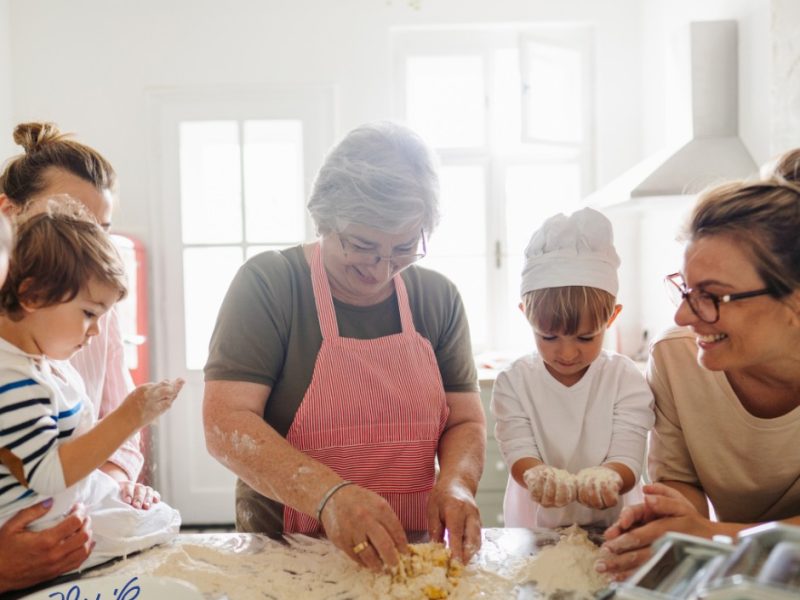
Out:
{"x": 767, "y": 558}
{"x": 680, "y": 566}
{"x": 764, "y": 564}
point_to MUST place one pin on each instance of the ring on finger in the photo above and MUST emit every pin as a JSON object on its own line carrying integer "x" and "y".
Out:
{"x": 360, "y": 547}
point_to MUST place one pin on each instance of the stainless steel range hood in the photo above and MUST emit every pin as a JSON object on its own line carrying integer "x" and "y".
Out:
{"x": 714, "y": 152}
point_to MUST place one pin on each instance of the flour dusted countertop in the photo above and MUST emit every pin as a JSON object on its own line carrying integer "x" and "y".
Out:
{"x": 240, "y": 566}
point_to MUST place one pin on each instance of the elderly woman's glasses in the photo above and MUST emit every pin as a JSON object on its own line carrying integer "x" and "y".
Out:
{"x": 358, "y": 255}
{"x": 703, "y": 304}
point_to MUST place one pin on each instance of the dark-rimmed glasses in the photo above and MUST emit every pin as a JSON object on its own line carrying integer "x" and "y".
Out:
{"x": 358, "y": 256}
{"x": 704, "y": 305}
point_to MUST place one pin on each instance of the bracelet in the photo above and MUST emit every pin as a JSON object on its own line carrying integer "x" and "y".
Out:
{"x": 328, "y": 495}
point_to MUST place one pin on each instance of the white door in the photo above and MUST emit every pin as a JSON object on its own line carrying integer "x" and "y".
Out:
{"x": 233, "y": 168}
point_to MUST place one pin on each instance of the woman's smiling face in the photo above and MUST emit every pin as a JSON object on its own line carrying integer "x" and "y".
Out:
{"x": 750, "y": 331}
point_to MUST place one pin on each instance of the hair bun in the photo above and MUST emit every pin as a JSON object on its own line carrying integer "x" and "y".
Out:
{"x": 32, "y": 136}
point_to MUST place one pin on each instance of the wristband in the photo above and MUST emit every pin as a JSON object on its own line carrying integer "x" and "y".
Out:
{"x": 328, "y": 495}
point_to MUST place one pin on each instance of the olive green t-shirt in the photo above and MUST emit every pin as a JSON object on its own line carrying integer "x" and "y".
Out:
{"x": 268, "y": 332}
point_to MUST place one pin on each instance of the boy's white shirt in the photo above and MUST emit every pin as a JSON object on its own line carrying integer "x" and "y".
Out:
{"x": 602, "y": 418}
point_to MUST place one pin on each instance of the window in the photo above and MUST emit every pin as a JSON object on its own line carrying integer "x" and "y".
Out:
{"x": 241, "y": 188}
{"x": 233, "y": 167}
{"x": 510, "y": 115}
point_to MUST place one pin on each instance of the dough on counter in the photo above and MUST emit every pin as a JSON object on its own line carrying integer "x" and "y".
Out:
{"x": 567, "y": 566}
{"x": 427, "y": 571}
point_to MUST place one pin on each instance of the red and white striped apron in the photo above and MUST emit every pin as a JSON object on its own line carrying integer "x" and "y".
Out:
{"x": 373, "y": 412}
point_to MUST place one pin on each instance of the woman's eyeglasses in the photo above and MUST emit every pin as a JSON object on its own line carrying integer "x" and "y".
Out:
{"x": 703, "y": 304}
{"x": 359, "y": 256}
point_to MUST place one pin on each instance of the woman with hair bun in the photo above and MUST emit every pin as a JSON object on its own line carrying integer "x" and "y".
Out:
{"x": 53, "y": 164}
{"x": 727, "y": 381}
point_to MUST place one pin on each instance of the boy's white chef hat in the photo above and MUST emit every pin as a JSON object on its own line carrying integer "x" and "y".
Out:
{"x": 571, "y": 251}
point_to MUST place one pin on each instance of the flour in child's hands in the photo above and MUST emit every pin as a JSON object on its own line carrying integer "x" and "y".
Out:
{"x": 598, "y": 487}
{"x": 550, "y": 486}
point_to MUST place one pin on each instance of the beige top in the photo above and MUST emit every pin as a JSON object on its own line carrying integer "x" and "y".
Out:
{"x": 749, "y": 467}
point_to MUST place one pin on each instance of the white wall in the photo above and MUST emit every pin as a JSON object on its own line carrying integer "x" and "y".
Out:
{"x": 6, "y": 112}
{"x": 93, "y": 60}
{"x": 785, "y": 97}
{"x": 664, "y": 94}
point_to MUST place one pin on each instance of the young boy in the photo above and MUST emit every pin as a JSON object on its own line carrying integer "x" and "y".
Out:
{"x": 572, "y": 418}
{"x": 64, "y": 274}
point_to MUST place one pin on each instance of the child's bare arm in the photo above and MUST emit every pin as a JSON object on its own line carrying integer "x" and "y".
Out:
{"x": 84, "y": 454}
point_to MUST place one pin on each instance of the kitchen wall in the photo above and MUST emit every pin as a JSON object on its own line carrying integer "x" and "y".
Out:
{"x": 665, "y": 78}
{"x": 6, "y": 111}
{"x": 88, "y": 63}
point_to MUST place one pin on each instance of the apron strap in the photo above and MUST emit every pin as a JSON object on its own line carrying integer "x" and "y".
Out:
{"x": 406, "y": 318}
{"x": 323, "y": 297}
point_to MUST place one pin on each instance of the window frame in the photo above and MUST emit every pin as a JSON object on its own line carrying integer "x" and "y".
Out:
{"x": 484, "y": 41}
{"x": 189, "y": 478}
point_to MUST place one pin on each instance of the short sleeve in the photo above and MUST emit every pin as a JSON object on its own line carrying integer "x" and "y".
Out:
{"x": 251, "y": 333}
{"x": 454, "y": 351}
{"x": 669, "y": 458}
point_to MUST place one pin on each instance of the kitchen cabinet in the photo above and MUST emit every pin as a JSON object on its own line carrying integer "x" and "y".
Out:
{"x": 492, "y": 487}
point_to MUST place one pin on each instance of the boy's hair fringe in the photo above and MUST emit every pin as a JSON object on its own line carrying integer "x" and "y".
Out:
{"x": 560, "y": 309}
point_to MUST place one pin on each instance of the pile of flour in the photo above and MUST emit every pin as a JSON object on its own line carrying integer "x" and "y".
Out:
{"x": 567, "y": 566}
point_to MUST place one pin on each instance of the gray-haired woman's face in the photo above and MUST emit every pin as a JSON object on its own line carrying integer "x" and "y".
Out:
{"x": 361, "y": 261}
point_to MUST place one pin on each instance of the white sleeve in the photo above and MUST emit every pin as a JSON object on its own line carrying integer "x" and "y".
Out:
{"x": 116, "y": 386}
{"x": 513, "y": 429}
{"x": 633, "y": 419}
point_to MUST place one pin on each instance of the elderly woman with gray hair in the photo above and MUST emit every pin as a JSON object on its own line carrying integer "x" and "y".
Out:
{"x": 339, "y": 370}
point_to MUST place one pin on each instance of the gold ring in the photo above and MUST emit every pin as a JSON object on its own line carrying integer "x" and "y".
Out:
{"x": 360, "y": 547}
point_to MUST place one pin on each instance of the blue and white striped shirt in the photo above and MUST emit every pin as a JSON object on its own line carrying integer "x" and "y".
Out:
{"x": 41, "y": 403}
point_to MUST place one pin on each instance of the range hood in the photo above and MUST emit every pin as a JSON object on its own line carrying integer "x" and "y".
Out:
{"x": 714, "y": 151}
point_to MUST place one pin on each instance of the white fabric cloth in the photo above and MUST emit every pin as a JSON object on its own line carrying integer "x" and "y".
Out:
{"x": 603, "y": 418}
{"x": 108, "y": 382}
{"x": 572, "y": 251}
{"x": 118, "y": 529}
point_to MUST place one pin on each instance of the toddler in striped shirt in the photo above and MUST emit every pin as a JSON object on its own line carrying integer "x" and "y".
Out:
{"x": 64, "y": 274}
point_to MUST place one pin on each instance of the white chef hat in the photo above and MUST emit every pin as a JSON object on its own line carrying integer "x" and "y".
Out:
{"x": 577, "y": 250}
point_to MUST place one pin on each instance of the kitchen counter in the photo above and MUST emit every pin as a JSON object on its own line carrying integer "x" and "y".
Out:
{"x": 499, "y": 546}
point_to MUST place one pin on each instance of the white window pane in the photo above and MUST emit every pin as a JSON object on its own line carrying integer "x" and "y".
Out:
{"x": 211, "y": 205}
{"x": 207, "y": 273}
{"x": 445, "y": 100}
{"x": 535, "y": 192}
{"x": 469, "y": 275}
{"x": 507, "y": 101}
{"x": 273, "y": 181}
{"x": 462, "y": 229}
{"x": 553, "y": 89}
{"x": 515, "y": 327}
